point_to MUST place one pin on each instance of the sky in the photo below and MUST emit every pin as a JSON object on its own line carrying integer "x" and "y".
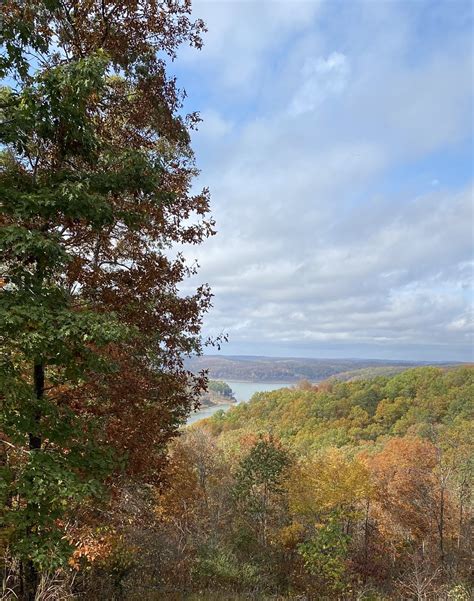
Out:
{"x": 337, "y": 143}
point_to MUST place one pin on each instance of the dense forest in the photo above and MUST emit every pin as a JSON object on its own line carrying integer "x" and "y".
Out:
{"x": 356, "y": 490}
{"x": 359, "y": 490}
{"x": 341, "y": 490}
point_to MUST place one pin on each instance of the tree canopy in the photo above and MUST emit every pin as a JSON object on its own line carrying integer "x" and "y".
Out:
{"x": 95, "y": 180}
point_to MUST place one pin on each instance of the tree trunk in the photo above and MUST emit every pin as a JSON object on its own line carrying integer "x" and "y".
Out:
{"x": 30, "y": 579}
{"x": 30, "y": 573}
{"x": 366, "y": 540}
{"x": 441, "y": 524}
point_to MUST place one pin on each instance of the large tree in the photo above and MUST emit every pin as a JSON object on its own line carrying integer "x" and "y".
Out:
{"x": 95, "y": 187}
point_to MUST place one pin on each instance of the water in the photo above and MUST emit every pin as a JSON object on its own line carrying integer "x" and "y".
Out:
{"x": 243, "y": 392}
{"x": 206, "y": 412}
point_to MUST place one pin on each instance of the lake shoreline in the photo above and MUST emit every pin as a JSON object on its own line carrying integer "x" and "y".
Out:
{"x": 243, "y": 392}
{"x": 284, "y": 384}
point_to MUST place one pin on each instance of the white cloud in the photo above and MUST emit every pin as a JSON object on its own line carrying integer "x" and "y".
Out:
{"x": 321, "y": 241}
{"x": 242, "y": 34}
{"x": 322, "y": 79}
{"x": 216, "y": 126}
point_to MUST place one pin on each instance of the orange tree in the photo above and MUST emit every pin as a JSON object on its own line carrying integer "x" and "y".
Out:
{"x": 95, "y": 178}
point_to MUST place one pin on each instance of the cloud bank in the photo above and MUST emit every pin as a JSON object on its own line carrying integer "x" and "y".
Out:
{"x": 337, "y": 143}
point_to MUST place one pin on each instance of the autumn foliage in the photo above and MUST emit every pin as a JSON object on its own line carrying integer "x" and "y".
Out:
{"x": 95, "y": 178}
{"x": 361, "y": 491}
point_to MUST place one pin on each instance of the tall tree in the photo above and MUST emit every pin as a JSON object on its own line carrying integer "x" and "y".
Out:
{"x": 95, "y": 179}
{"x": 259, "y": 482}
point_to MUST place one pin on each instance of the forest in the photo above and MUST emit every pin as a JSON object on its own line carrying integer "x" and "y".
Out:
{"x": 358, "y": 490}
{"x": 349, "y": 491}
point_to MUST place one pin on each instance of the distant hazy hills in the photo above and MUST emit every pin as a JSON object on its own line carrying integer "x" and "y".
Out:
{"x": 276, "y": 369}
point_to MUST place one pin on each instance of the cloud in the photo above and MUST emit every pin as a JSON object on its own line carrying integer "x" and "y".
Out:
{"x": 322, "y": 78}
{"x": 325, "y": 244}
{"x": 242, "y": 35}
{"x": 216, "y": 126}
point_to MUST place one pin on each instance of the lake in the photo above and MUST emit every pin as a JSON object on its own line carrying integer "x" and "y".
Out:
{"x": 243, "y": 392}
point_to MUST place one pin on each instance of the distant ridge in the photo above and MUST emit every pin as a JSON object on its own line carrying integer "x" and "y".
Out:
{"x": 253, "y": 368}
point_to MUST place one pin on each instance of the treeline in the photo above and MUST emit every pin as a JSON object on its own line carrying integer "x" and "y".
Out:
{"x": 355, "y": 490}
{"x": 221, "y": 388}
{"x": 217, "y": 392}
{"x": 277, "y": 369}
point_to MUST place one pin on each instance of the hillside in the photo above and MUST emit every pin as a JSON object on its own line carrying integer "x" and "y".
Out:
{"x": 337, "y": 491}
{"x": 356, "y": 412}
{"x": 280, "y": 369}
{"x": 367, "y": 373}
{"x": 340, "y": 491}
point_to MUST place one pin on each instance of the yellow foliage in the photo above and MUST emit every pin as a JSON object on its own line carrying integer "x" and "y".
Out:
{"x": 290, "y": 536}
{"x": 328, "y": 481}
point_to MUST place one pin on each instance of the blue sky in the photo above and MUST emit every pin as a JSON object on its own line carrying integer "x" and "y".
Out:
{"x": 337, "y": 144}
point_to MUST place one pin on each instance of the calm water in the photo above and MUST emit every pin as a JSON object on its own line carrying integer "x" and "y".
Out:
{"x": 243, "y": 392}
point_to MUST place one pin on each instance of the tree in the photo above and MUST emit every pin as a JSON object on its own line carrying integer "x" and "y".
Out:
{"x": 324, "y": 557}
{"x": 95, "y": 175}
{"x": 221, "y": 388}
{"x": 259, "y": 482}
{"x": 328, "y": 495}
{"x": 414, "y": 508}
{"x": 327, "y": 482}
